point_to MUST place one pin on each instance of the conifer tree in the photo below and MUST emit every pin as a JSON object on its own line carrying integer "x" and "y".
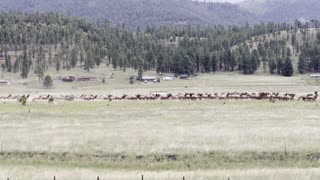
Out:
{"x": 287, "y": 68}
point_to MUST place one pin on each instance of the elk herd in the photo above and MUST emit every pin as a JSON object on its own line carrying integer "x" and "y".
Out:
{"x": 272, "y": 97}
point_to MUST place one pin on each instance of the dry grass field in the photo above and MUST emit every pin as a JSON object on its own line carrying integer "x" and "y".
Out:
{"x": 242, "y": 139}
{"x": 220, "y": 82}
{"x": 46, "y": 173}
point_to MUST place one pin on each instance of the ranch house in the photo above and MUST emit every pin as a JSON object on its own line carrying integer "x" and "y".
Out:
{"x": 68, "y": 78}
{"x": 184, "y": 76}
{"x": 315, "y": 76}
{"x": 4, "y": 83}
{"x": 147, "y": 79}
{"x": 86, "y": 78}
{"x": 167, "y": 78}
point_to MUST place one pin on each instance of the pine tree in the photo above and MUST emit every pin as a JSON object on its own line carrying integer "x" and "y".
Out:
{"x": 214, "y": 63}
{"x": 97, "y": 57}
{"x": 206, "y": 63}
{"x": 16, "y": 65}
{"x": 115, "y": 59}
{"x": 122, "y": 60}
{"x": 57, "y": 64}
{"x": 8, "y": 63}
{"x": 150, "y": 59}
{"x": 161, "y": 63}
{"x": 88, "y": 62}
{"x": 272, "y": 66}
{"x": 74, "y": 58}
{"x": 47, "y": 82}
{"x": 25, "y": 64}
{"x": 279, "y": 65}
{"x": 81, "y": 57}
{"x": 254, "y": 61}
{"x": 3, "y": 68}
{"x": 264, "y": 64}
{"x": 50, "y": 59}
{"x": 287, "y": 68}
{"x": 39, "y": 71}
{"x": 140, "y": 73}
{"x": 301, "y": 63}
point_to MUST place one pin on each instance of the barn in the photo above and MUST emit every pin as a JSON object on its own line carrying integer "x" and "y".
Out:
{"x": 315, "y": 76}
{"x": 5, "y": 83}
{"x": 68, "y": 78}
{"x": 184, "y": 76}
{"x": 86, "y": 78}
{"x": 147, "y": 79}
{"x": 167, "y": 78}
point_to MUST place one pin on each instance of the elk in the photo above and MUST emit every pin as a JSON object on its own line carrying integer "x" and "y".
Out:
{"x": 90, "y": 97}
{"x": 41, "y": 97}
{"x": 310, "y": 97}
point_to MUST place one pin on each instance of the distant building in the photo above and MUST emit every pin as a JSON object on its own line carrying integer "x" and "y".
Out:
{"x": 74, "y": 78}
{"x": 315, "y": 76}
{"x": 5, "y": 83}
{"x": 68, "y": 78}
{"x": 86, "y": 78}
{"x": 167, "y": 78}
{"x": 184, "y": 76}
{"x": 147, "y": 79}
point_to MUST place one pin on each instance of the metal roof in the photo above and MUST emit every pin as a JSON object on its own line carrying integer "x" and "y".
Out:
{"x": 148, "y": 78}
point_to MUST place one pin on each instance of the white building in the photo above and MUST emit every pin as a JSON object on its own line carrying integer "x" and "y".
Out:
{"x": 147, "y": 79}
{"x": 167, "y": 78}
{"x": 5, "y": 83}
{"x": 315, "y": 76}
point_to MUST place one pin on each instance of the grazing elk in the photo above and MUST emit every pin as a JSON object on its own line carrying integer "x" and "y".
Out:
{"x": 272, "y": 97}
{"x": 309, "y": 97}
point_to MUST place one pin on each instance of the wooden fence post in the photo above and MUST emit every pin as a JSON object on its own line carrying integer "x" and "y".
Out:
{"x": 7, "y": 178}
{"x": 142, "y": 177}
{"x": 183, "y": 178}
{"x": 98, "y": 178}
{"x": 54, "y": 177}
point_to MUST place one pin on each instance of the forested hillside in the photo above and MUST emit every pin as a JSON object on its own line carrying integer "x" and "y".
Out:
{"x": 33, "y": 43}
{"x": 136, "y": 13}
{"x": 284, "y": 10}
{"x": 139, "y": 13}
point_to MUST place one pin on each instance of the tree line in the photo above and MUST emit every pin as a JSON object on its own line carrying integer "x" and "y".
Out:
{"x": 35, "y": 42}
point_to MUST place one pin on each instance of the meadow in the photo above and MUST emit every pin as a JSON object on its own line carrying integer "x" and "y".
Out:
{"x": 161, "y": 139}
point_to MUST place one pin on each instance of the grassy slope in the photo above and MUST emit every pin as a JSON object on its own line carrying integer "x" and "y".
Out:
{"x": 84, "y": 174}
{"x": 85, "y": 139}
{"x": 81, "y": 140}
{"x": 220, "y": 82}
{"x": 167, "y": 127}
{"x": 284, "y": 36}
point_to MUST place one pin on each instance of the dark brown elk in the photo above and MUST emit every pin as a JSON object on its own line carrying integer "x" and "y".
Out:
{"x": 272, "y": 97}
{"x": 234, "y": 95}
{"x": 107, "y": 97}
{"x": 153, "y": 97}
{"x": 290, "y": 96}
{"x": 222, "y": 96}
{"x": 309, "y": 97}
{"x": 90, "y": 97}
{"x": 7, "y": 97}
{"x": 200, "y": 96}
{"x": 41, "y": 98}
{"x": 167, "y": 97}
{"x": 132, "y": 98}
{"x": 119, "y": 97}
{"x": 244, "y": 96}
{"x": 141, "y": 97}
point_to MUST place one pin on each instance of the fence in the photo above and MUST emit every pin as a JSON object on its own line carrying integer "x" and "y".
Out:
{"x": 98, "y": 178}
